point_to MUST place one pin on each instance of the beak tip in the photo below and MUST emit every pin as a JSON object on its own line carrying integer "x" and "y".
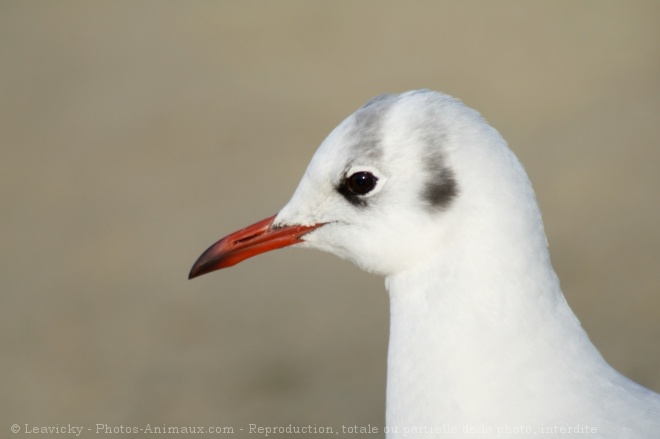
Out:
{"x": 193, "y": 272}
{"x": 198, "y": 269}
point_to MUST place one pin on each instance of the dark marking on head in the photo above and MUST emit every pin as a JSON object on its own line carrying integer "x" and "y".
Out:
{"x": 441, "y": 186}
{"x": 366, "y": 134}
{"x": 441, "y": 189}
{"x": 364, "y": 138}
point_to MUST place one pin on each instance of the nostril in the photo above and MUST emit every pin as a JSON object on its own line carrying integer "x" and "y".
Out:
{"x": 247, "y": 238}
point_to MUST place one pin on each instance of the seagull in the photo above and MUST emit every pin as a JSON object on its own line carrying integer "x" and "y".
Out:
{"x": 419, "y": 188}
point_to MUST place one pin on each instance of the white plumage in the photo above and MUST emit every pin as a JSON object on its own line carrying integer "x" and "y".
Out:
{"x": 419, "y": 188}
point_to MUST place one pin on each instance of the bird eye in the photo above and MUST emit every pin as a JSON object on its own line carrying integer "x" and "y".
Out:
{"x": 361, "y": 183}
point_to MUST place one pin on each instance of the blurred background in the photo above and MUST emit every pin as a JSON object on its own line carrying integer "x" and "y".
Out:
{"x": 133, "y": 134}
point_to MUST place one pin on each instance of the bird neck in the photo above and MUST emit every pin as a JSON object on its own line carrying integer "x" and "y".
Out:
{"x": 476, "y": 335}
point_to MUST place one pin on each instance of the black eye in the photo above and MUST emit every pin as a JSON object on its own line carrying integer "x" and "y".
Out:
{"x": 361, "y": 183}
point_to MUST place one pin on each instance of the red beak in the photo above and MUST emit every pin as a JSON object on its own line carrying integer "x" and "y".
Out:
{"x": 245, "y": 243}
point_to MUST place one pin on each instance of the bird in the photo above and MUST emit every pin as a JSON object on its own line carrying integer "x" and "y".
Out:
{"x": 419, "y": 188}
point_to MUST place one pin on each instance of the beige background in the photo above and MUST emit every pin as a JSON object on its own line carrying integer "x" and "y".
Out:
{"x": 135, "y": 134}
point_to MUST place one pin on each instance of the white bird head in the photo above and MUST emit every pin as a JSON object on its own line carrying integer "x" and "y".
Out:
{"x": 394, "y": 184}
{"x": 419, "y": 188}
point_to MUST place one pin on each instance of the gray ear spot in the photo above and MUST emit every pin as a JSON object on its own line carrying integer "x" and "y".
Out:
{"x": 441, "y": 190}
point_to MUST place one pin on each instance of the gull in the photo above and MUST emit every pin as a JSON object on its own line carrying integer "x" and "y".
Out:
{"x": 419, "y": 188}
